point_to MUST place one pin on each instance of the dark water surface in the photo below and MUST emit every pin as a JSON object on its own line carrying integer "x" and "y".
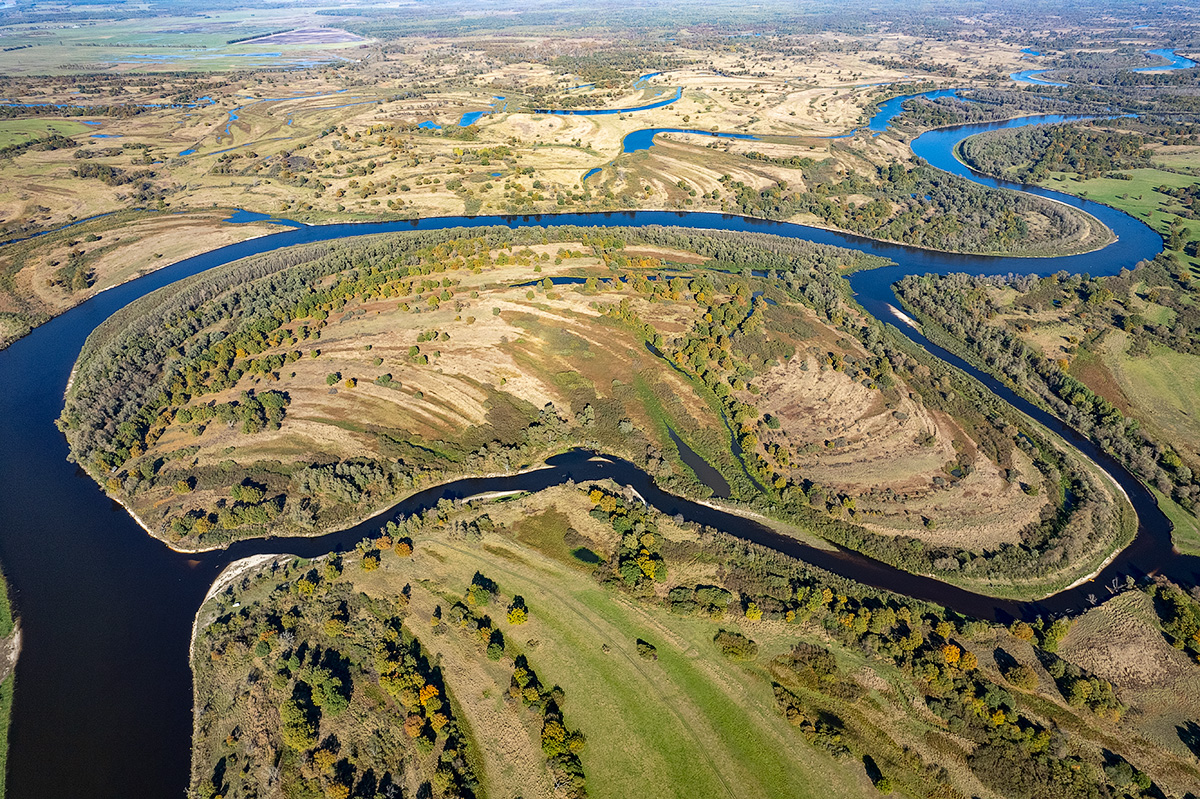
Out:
{"x": 103, "y": 700}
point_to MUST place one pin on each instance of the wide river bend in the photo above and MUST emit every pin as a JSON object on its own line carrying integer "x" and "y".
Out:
{"x": 103, "y": 701}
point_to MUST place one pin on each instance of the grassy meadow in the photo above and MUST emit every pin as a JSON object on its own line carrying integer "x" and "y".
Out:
{"x": 649, "y": 680}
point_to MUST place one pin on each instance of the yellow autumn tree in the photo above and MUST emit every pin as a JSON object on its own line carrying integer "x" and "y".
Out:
{"x": 1021, "y": 630}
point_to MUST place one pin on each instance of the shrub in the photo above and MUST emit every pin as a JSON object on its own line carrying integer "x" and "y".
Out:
{"x": 1022, "y": 677}
{"x": 735, "y": 646}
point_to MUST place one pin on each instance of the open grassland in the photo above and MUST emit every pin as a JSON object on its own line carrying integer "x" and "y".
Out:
{"x": 345, "y": 144}
{"x": 16, "y": 131}
{"x": 1161, "y": 388}
{"x": 1185, "y": 534}
{"x": 717, "y": 672}
{"x": 711, "y": 728}
{"x": 1138, "y": 196}
{"x": 221, "y": 40}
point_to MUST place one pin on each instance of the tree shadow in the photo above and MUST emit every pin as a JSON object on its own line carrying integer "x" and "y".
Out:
{"x": 873, "y": 772}
{"x": 368, "y": 785}
{"x": 1004, "y": 661}
{"x": 1189, "y": 733}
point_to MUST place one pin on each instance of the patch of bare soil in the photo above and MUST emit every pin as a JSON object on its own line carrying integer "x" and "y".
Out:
{"x": 10, "y": 649}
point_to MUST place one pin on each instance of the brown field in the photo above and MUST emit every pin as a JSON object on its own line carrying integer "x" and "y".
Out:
{"x": 308, "y": 36}
{"x": 315, "y": 125}
{"x": 1120, "y": 641}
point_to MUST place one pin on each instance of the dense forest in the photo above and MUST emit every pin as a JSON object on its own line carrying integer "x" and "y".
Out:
{"x": 1030, "y": 154}
{"x": 989, "y": 105}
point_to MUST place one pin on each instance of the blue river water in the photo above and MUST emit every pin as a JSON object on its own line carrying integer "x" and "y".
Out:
{"x": 890, "y": 109}
{"x": 1030, "y": 76}
{"x": 107, "y": 610}
{"x": 1176, "y": 61}
{"x": 644, "y": 139}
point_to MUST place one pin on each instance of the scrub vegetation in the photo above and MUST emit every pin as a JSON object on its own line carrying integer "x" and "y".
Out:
{"x": 720, "y": 663}
{"x": 303, "y": 391}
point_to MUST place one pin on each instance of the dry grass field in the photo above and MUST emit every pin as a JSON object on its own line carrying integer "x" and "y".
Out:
{"x": 502, "y": 347}
{"x": 1120, "y": 641}
{"x": 324, "y": 145}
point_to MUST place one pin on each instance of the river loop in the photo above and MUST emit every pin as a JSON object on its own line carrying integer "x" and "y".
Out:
{"x": 103, "y": 702}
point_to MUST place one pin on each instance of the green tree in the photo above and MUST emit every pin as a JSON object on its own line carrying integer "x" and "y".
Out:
{"x": 297, "y": 725}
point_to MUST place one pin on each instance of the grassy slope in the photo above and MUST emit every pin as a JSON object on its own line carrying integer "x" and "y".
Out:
{"x": 691, "y": 723}
{"x": 15, "y": 131}
{"x": 1186, "y": 532}
{"x": 1136, "y": 197}
{"x": 6, "y": 699}
{"x": 1120, "y": 640}
{"x": 699, "y": 730}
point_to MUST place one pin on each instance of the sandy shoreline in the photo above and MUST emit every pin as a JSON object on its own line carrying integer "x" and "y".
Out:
{"x": 228, "y": 575}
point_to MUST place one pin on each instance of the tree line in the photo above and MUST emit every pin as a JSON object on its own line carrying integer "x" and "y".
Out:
{"x": 959, "y": 309}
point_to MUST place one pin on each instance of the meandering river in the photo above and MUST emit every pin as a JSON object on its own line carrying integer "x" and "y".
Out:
{"x": 103, "y": 700}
